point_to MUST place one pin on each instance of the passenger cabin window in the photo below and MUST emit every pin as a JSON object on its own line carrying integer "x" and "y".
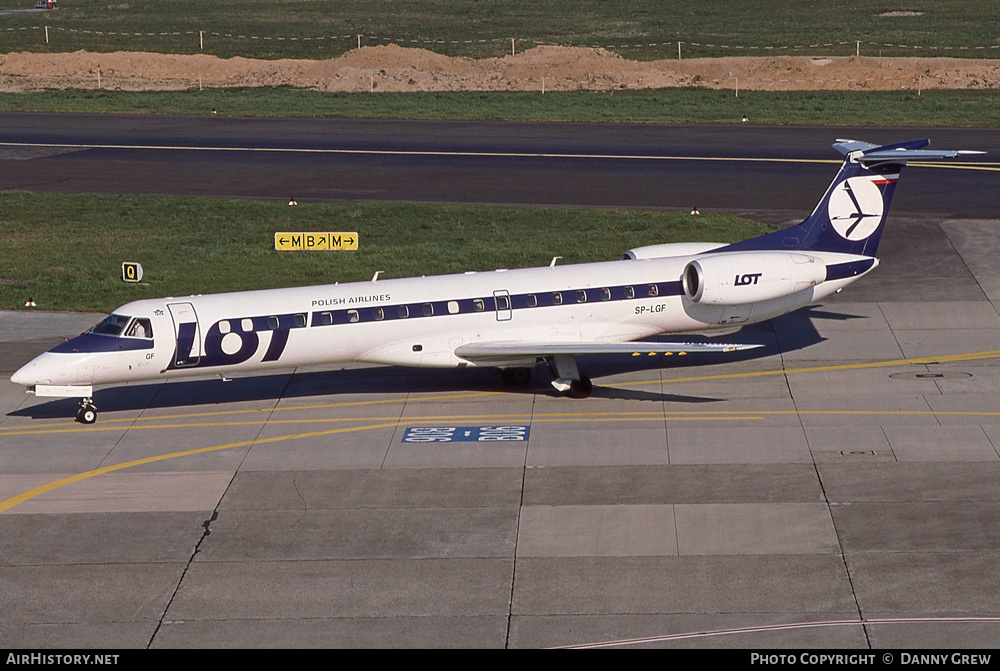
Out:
{"x": 605, "y": 294}
{"x": 532, "y": 300}
{"x": 225, "y": 327}
{"x": 247, "y": 325}
{"x": 581, "y": 296}
{"x": 272, "y": 323}
{"x": 300, "y": 321}
{"x": 453, "y": 307}
{"x": 326, "y": 318}
{"x": 353, "y": 316}
{"x": 112, "y": 325}
{"x": 427, "y": 309}
{"x": 404, "y": 312}
{"x": 141, "y": 328}
{"x": 478, "y": 305}
{"x": 378, "y": 314}
{"x": 629, "y": 292}
{"x": 556, "y": 298}
{"x": 654, "y": 290}
{"x": 503, "y": 302}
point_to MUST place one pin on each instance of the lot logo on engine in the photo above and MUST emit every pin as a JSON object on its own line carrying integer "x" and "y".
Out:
{"x": 856, "y": 208}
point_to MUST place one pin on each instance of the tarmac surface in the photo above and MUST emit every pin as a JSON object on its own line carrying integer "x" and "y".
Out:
{"x": 842, "y": 490}
{"x": 713, "y": 167}
{"x": 839, "y": 488}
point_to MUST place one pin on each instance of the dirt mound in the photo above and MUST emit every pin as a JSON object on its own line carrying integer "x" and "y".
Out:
{"x": 787, "y": 73}
{"x": 395, "y": 68}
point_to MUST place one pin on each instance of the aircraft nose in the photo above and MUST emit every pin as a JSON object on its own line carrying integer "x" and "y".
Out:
{"x": 24, "y": 375}
{"x": 43, "y": 369}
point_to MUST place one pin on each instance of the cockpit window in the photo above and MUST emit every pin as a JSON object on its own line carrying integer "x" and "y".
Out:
{"x": 112, "y": 325}
{"x": 140, "y": 328}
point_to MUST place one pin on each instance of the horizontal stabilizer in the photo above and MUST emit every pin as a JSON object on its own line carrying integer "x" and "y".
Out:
{"x": 495, "y": 351}
{"x": 900, "y": 152}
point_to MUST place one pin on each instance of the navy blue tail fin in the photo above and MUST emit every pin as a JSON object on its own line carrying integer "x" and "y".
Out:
{"x": 851, "y": 215}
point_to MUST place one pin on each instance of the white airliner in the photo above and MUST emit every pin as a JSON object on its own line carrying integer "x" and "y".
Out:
{"x": 508, "y": 319}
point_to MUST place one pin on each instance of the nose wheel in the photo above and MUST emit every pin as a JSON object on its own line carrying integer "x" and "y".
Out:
{"x": 87, "y": 412}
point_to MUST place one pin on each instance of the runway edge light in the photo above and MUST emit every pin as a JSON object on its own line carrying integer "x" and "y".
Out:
{"x": 131, "y": 272}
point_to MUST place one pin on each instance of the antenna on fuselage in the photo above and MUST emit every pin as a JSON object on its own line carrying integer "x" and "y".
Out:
{"x": 375, "y": 276}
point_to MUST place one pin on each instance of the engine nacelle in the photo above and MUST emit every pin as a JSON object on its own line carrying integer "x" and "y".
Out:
{"x": 749, "y": 277}
{"x": 670, "y": 249}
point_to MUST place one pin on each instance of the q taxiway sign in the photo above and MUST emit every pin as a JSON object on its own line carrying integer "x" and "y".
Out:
{"x": 131, "y": 272}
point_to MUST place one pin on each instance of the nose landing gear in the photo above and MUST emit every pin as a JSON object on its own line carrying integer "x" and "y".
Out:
{"x": 87, "y": 412}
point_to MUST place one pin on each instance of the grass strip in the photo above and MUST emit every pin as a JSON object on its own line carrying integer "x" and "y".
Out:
{"x": 66, "y": 251}
{"x": 938, "y": 108}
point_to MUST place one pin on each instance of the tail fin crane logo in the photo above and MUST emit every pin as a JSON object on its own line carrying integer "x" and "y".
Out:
{"x": 856, "y": 208}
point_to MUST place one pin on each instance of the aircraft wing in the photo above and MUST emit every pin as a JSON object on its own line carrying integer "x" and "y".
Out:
{"x": 502, "y": 350}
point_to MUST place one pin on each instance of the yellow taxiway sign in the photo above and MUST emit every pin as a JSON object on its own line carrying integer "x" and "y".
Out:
{"x": 311, "y": 241}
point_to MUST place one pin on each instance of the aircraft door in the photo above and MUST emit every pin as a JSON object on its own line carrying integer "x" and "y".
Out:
{"x": 187, "y": 335}
{"x": 502, "y": 298}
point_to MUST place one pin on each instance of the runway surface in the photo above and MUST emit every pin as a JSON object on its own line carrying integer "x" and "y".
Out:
{"x": 839, "y": 489}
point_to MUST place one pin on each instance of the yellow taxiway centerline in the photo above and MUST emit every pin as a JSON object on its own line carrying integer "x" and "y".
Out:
{"x": 948, "y": 358}
{"x": 37, "y": 491}
{"x": 966, "y": 165}
{"x": 73, "y": 427}
{"x": 721, "y": 415}
{"x": 410, "y": 152}
{"x": 679, "y": 416}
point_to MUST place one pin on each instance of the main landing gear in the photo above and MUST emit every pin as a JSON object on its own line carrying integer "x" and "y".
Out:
{"x": 87, "y": 412}
{"x": 568, "y": 380}
{"x": 581, "y": 388}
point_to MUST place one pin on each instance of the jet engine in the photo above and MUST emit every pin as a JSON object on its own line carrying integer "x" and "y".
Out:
{"x": 670, "y": 249}
{"x": 737, "y": 278}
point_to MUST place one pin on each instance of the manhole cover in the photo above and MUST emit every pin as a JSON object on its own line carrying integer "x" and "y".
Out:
{"x": 941, "y": 375}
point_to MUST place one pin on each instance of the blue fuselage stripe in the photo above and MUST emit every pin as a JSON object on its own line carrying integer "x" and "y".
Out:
{"x": 485, "y": 304}
{"x": 283, "y": 323}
